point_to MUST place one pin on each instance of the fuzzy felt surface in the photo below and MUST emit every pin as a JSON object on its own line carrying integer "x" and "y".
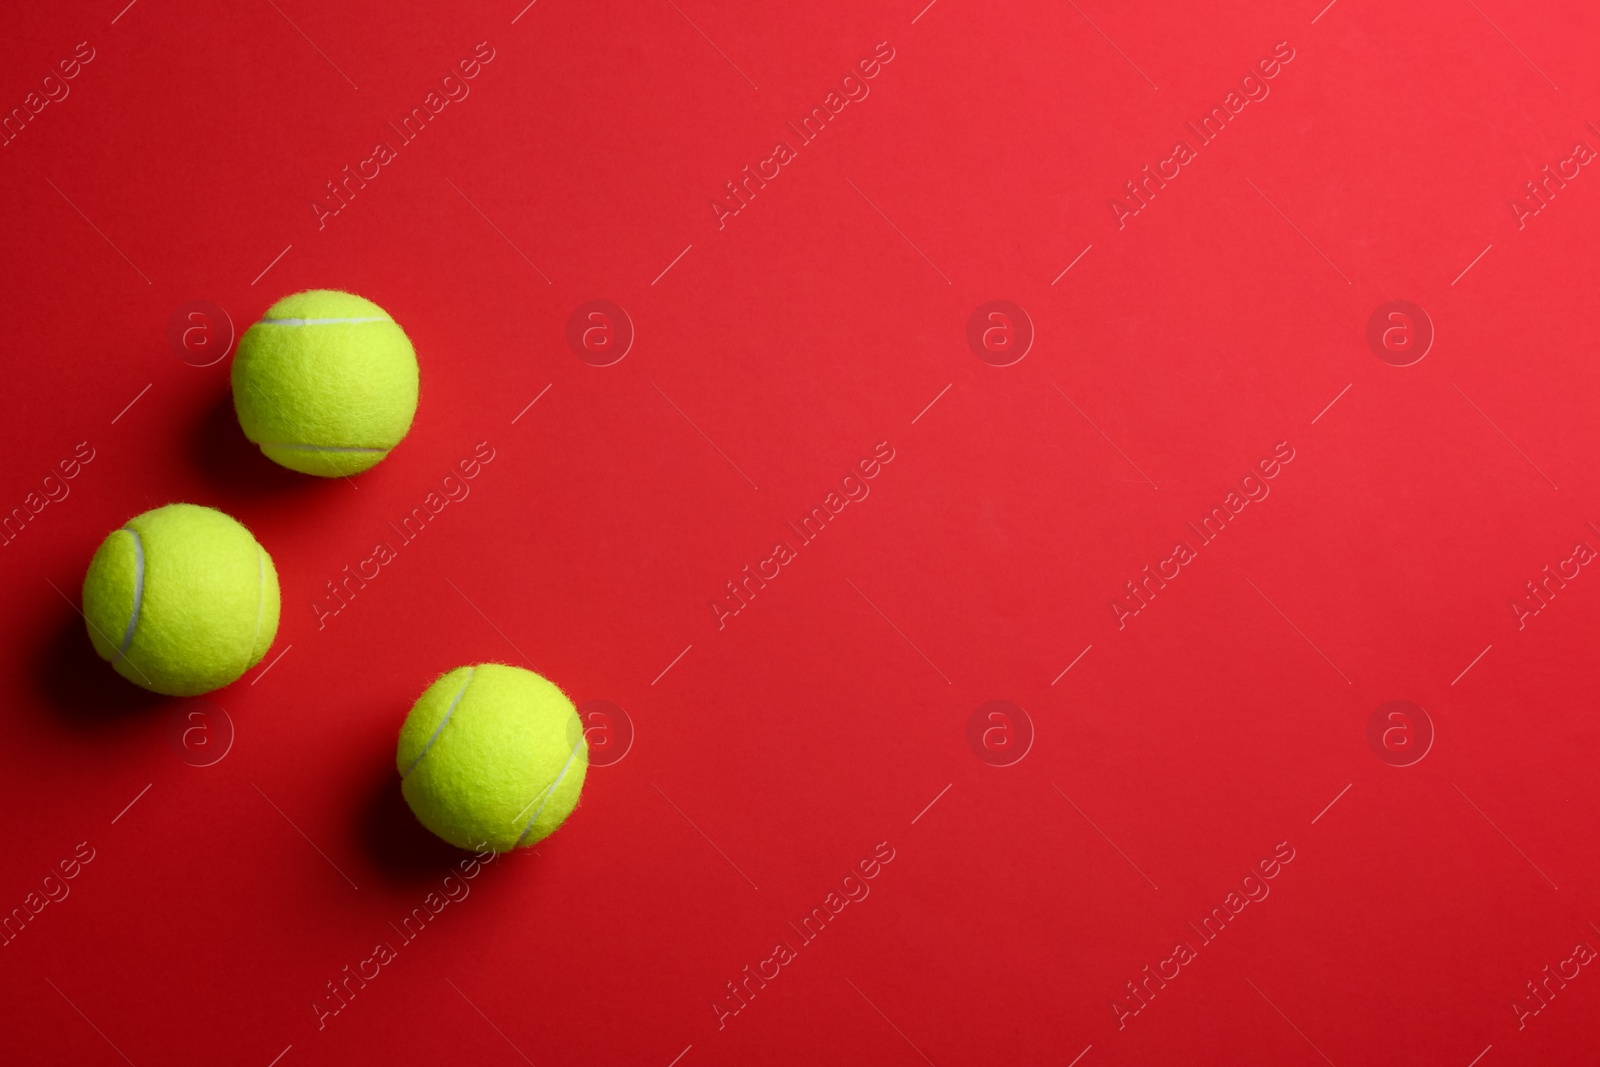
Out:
{"x": 325, "y": 397}
{"x": 492, "y": 755}
{"x": 181, "y": 600}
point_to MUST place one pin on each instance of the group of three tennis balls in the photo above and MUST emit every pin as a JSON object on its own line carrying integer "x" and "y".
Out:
{"x": 183, "y": 600}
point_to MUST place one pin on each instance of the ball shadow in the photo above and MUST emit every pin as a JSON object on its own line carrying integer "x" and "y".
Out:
{"x": 70, "y": 677}
{"x": 226, "y": 458}
{"x": 399, "y": 846}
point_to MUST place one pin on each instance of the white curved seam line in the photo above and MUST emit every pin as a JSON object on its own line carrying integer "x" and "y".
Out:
{"x": 138, "y": 593}
{"x": 261, "y": 604}
{"x": 440, "y": 728}
{"x": 323, "y": 322}
{"x": 321, "y": 448}
{"x": 548, "y": 793}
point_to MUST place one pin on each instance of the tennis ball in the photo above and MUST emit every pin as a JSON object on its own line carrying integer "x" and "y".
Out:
{"x": 182, "y": 600}
{"x": 325, "y": 383}
{"x": 492, "y": 756}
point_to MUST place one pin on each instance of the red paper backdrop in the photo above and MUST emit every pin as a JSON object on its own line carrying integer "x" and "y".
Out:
{"x": 233, "y": 855}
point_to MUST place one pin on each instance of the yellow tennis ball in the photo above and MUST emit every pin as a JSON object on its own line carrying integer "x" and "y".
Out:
{"x": 492, "y": 756}
{"x": 325, "y": 383}
{"x": 182, "y": 600}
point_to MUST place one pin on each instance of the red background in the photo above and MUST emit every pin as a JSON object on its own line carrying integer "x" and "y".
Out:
{"x": 825, "y": 717}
